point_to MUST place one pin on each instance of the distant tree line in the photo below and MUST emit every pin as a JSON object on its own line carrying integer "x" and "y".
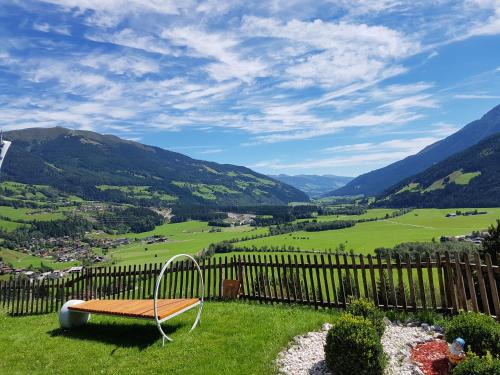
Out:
{"x": 310, "y": 226}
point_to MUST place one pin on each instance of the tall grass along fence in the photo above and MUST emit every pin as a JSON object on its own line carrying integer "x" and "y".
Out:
{"x": 446, "y": 283}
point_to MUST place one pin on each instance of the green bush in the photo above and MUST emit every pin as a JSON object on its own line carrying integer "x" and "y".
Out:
{"x": 428, "y": 316}
{"x": 353, "y": 347}
{"x": 367, "y": 309}
{"x": 480, "y": 332}
{"x": 475, "y": 365}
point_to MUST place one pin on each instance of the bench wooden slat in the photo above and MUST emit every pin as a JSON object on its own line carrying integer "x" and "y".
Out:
{"x": 143, "y": 308}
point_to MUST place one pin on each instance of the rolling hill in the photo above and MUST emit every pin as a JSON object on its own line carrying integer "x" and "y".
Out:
{"x": 375, "y": 182}
{"x": 313, "y": 185}
{"x": 470, "y": 178}
{"x": 107, "y": 168}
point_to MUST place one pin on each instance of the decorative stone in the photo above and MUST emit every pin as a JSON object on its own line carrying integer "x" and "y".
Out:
{"x": 326, "y": 327}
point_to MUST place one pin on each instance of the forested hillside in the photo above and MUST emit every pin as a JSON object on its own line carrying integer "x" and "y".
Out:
{"x": 468, "y": 179}
{"x": 107, "y": 168}
{"x": 377, "y": 181}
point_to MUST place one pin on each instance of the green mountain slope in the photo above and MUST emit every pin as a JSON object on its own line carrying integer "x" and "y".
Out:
{"x": 377, "y": 181}
{"x": 107, "y": 168}
{"x": 313, "y": 185}
{"x": 468, "y": 179}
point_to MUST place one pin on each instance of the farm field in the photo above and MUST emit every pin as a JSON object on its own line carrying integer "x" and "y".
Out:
{"x": 418, "y": 225}
{"x": 22, "y": 260}
{"x": 227, "y": 342}
{"x": 188, "y": 237}
{"x": 32, "y": 214}
{"x": 369, "y": 214}
{"x": 8, "y": 225}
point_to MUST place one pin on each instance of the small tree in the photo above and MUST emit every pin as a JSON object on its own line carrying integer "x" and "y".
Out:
{"x": 491, "y": 243}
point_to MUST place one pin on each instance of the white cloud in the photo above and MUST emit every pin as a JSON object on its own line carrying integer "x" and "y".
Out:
{"x": 46, "y": 28}
{"x": 476, "y": 96}
{"x": 109, "y": 13}
{"x": 117, "y": 64}
{"x": 219, "y": 47}
{"x": 339, "y": 53}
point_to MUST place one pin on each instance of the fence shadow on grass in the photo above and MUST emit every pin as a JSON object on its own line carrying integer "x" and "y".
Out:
{"x": 135, "y": 335}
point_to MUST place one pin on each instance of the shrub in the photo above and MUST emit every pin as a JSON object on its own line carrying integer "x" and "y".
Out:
{"x": 367, "y": 309}
{"x": 428, "y": 316}
{"x": 475, "y": 365}
{"x": 353, "y": 347}
{"x": 480, "y": 332}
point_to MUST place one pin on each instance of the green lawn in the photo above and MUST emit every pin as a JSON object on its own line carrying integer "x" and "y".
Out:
{"x": 418, "y": 225}
{"x": 234, "y": 338}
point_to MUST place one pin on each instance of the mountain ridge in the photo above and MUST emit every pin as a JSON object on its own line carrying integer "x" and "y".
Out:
{"x": 376, "y": 181}
{"x": 101, "y": 166}
{"x": 470, "y": 178}
{"x": 313, "y": 185}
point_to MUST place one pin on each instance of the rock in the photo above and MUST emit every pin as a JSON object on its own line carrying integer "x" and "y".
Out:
{"x": 425, "y": 326}
{"x": 387, "y": 321}
{"x": 326, "y": 327}
{"x": 306, "y": 354}
{"x": 439, "y": 329}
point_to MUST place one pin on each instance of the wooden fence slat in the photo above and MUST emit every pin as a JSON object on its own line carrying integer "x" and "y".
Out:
{"x": 450, "y": 283}
{"x": 295, "y": 275}
{"x": 342, "y": 297}
{"x": 383, "y": 286}
{"x": 335, "y": 299}
{"x": 470, "y": 283}
{"x": 366, "y": 293}
{"x": 304, "y": 275}
{"x": 357, "y": 291}
{"x": 347, "y": 277}
{"x": 493, "y": 286}
{"x": 411, "y": 285}
{"x": 442, "y": 292}
{"x": 390, "y": 277}
{"x": 420, "y": 278}
{"x": 280, "y": 280}
{"x": 401, "y": 285}
{"x": 460, "y": 284}
{"x": 273, "y": 276}
{"x": 430, "y": 276}
{"x": 325, "y": 280}
{"x": 373, "y": 281}
{"x": 482, "y": 286}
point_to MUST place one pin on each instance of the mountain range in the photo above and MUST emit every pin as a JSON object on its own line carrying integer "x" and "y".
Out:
{"x": 313, "y": 185}
{"x": 376, "y": 182}
{"x": 470, "y": 178}
{"x": 108, "y": 168}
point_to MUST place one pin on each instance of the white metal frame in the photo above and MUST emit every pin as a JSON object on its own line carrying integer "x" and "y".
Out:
{"x": 155, "y": 301}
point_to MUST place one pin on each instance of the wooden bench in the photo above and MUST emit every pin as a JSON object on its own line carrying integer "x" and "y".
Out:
{"x": 76, "y": 312}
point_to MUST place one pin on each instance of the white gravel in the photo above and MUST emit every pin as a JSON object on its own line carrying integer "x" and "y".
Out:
{"x": 305, "y": 355}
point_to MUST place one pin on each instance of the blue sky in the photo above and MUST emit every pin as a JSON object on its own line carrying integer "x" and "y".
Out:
{"x": 338, "y": 87}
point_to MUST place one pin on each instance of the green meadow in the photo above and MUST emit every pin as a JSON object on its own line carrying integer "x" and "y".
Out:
{"x": 418, "y": 225}
{"x": 188, "y": 237}
{"x": 22, "y": 260}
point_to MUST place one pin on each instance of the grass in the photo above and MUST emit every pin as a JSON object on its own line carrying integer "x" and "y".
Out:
{"x": 32, "y": 214}
{"x": 22, "y": 260}
{"x": 418, "y": 225}
{"x": 188, "y": 237}
{"x": 9, "y": 226}
{"x": 234, "y": 338}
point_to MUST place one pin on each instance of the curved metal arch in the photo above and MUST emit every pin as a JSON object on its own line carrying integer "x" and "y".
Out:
{"x": 157, "y": 288}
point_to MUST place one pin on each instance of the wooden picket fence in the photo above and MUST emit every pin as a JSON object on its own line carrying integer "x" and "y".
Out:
{"x": 443, "y": 283}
